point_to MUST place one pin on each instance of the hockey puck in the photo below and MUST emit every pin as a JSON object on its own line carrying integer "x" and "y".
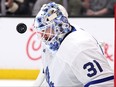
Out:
{"x": 21, "y": 28}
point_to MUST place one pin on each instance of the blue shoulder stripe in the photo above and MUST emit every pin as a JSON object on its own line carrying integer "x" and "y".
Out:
{"x": 99, "y": 81}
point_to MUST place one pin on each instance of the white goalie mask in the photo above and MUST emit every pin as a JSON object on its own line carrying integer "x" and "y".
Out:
{"x": 54, "y": 17}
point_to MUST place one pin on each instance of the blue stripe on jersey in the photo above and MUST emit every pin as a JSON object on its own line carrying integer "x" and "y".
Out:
{"x": 99, "y": 46}
{"x": 99, "y": 81}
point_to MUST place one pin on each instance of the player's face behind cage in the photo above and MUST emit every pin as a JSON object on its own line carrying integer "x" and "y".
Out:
{"x": 47, "y": 34}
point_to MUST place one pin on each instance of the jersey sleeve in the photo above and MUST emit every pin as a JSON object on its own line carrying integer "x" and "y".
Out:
{"x": 90, "y": 65}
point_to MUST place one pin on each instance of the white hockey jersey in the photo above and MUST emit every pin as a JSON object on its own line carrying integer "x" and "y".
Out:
{"x": 79, "y": 62}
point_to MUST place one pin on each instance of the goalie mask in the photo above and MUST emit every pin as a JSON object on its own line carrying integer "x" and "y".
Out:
{"x": 52, "y": 20}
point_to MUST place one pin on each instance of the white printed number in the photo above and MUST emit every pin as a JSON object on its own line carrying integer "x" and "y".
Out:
{"x": 90, "y": 66}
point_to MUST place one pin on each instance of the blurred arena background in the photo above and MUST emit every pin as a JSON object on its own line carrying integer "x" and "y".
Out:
{"x": 20, "y": 58}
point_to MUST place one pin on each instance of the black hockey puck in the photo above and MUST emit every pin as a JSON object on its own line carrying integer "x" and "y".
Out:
{"x": 21, "y": 28}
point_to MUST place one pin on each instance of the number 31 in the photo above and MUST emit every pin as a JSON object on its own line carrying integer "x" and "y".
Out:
{"x": 90, "y": 66}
